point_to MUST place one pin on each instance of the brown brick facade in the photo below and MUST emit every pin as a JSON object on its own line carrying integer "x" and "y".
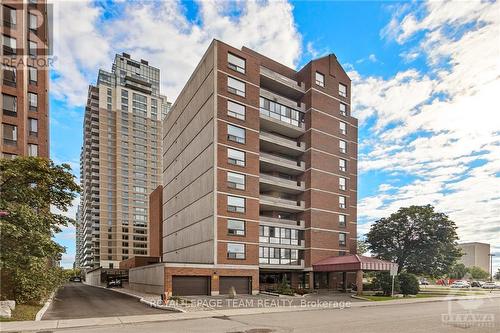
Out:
{"x": 23, "y": 86}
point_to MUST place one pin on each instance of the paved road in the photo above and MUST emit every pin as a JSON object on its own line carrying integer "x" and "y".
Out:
{"x": 481, "y": 316}
{"x": 77, "y": 300}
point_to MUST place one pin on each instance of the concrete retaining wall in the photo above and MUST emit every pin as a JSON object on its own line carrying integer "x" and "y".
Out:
{"x": 93, "y": 278}
{"x": 148, "y": 279}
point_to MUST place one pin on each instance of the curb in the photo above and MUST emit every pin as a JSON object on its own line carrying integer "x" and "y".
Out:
{"x": 126, "y": 320}
{"x": 144, "y": 301}
{"x": 45, "y": 307}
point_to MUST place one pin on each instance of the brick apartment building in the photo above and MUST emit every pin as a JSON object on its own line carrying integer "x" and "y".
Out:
{"x": 24, "y": 74}
{"x": 259, "y": 175}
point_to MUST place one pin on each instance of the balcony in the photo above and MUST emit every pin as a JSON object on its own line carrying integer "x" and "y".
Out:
{"x": 277, "y": 222}
{"x": 273, "y": 183}
{"x": 270, "y": 162}
{"x": 281, "y": 84}
{"x": 280, "y": 144}
{"x": 268, "y": 202}
{"x": 281, "y": 115}
{"x": 281, "y": 263}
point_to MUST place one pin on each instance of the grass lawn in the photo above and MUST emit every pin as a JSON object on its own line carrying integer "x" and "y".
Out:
{"x": 388, "y": 298}
{"x": 23, "y": 312}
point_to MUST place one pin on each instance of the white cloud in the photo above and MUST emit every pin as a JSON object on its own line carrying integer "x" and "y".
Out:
{"x": 439, "y": 129}
{"x": 160, "y": 33}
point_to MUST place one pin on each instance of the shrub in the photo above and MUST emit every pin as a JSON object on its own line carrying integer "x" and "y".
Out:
{"x": 409, "y": 283}
{"x": 383, "y": 281}
{"x": 284, "y": 287}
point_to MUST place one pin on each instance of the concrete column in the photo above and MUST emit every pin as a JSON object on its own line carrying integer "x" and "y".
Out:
{"x": 344, "y": 282}
{"x": 311, "y": 280}
{"x": 359, "y": 282}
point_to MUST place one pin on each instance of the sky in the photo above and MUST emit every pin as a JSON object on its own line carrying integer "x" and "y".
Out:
{"x": 425, "y": 80}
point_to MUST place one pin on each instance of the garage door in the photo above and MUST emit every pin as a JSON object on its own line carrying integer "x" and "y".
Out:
{"x": 190, "y": 285}
{"x": 241, "y": 284}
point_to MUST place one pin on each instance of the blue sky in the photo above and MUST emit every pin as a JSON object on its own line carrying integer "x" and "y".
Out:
{"x": 418, "y": 90}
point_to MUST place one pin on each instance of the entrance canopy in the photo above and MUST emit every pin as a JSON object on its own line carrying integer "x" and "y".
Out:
{"x": 352, "y": 262}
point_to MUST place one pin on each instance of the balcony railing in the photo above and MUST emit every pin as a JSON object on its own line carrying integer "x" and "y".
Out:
{"x": 278, "y": 181}
{"x": 277, "y": 221}
{"x": 279, "y": 202}
{"x": 294, "y": 164}
{"x": 282, "y": 79}
{"x": 282, "y": 141}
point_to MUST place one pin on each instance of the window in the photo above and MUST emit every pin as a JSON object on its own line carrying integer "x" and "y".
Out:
{"x": 9, "y": 75}
{"x": 33, "y": 22}
{"x": 342, "y": 90}
{"x": 235, "y": 133}
{"x": 33, "y": 75}
{"x": 32, "y": 150}
{"x": 235, "y": 204}
{"x": 342, "y": 200}
{"x": 342, "y": 239}
{"x": 342, "y": 165}
{"x": 33, "y": 101}
{"x": 33, "y": 126}
{"x": 342, "y": 183}
{"x": 236, "y": 157}
{"x": 235, "y": 251}
{"x": 32, "y": 48}
{"x": 236, "y": 86}
{"x": 9, "y": 45}
{"x": 235, "y": 110}
{"x": 236, "y": 63}
{"x": 236, "y": 227}
{"x": 9, "y": 17}
{"x": 343, "y": 128}
{"x": 236, "y": 180}
{"x": 9, "y": 105}
{"x": 281, "y": 112}
{"x": 320, "y": 79}
{"x": 9, "y": 134}
{"x": 343, "y": 109}
{"x": 343, "y": 146}
{"x": 139, "y": 189}
{"x": 342, "y": 220}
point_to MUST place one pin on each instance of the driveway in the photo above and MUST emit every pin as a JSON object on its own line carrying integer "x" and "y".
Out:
{"x": 78, "y": 300}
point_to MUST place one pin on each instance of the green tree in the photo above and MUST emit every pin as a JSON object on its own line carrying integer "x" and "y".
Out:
{"x": 408, "y": 283}
{"x": 383, "y": 281}
{"x": 457, "y": 271}
{"x": 420, "y": 240}
{"x": 478, "y": 273}
{"x": 33, "y": 194}
{"x": 497, "y": 275}
{"x": 361, "y": 247}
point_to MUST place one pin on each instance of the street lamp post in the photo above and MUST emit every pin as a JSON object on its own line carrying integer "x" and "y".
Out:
{"x": 491, "y": 255}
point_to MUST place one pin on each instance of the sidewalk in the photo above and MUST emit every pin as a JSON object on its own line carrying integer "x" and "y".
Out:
{"x": 87, "y": 322}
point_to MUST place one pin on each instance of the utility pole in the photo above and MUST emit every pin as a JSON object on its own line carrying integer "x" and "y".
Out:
{"x": 491, "y": 255}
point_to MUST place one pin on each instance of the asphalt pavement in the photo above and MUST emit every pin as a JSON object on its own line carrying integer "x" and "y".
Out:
{"x": 78, "y": 300}
{"x": 471, "y": 316}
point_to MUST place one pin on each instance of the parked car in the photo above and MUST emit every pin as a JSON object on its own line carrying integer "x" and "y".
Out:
{"x": 460, "y": 284}
{"x": 477, "y": 284}
{"x": 490, "y": 285}
{"x": 423, "y": 282}
{"x": 114, "y": 283}
{"x": 75, "y": 279}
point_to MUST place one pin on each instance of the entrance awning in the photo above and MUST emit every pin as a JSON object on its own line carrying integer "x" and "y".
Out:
{"x": 352, "y": 262}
